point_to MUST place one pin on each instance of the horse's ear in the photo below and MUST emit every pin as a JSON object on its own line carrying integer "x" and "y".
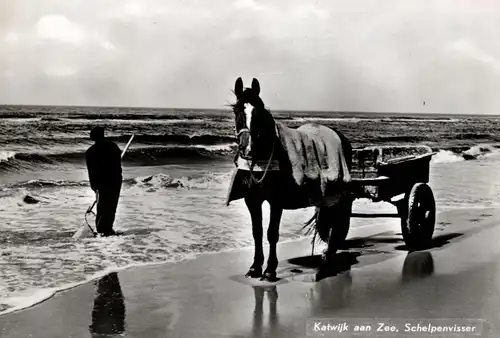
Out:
{"x": 256, "y": 86}
{"x": 238, "y": 87}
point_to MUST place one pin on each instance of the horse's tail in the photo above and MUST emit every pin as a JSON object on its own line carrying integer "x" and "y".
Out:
{"x": 321, "y": 222}
{"x": 330, "y": 221}
{"x": 311, "y": 224}
{"x": 319, "y": 226}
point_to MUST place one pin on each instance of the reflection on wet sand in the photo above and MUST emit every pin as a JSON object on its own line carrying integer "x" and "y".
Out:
{"x": 334, "y": 293}
{"x": 108, "y": 314}
{"x": 331, "y": 293}
{"x": 258, "y": 313}
{"x": 417, "y": 265}
{"x": 333, "y": 280}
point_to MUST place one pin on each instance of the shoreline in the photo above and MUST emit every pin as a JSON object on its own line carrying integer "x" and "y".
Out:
{"x": 68, "y": 287}
{"x": 303, "y": 239}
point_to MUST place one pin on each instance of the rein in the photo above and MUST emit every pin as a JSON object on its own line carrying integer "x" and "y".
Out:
{"x": 267, "y": 166}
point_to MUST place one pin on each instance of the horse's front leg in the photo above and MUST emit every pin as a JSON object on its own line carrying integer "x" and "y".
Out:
{"x": 273, "y": 233}
{"x": 255, "y": 208}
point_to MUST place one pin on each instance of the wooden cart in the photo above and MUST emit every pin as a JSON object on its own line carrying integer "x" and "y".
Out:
{"x": 398, "y": 175}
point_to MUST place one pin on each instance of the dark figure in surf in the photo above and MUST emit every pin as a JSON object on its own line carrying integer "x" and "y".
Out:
{"x": 105, "y": 176}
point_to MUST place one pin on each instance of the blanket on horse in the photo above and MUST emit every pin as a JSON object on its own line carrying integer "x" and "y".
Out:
{"x": 313, "y": 171}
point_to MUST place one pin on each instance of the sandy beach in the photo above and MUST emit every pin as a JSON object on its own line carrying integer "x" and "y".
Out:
{"x": 209, "y": 297}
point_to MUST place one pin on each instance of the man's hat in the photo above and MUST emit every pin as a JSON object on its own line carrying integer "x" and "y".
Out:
{"x": 97, "y": 134}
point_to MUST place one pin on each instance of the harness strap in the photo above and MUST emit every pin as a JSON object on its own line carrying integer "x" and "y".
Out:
{"x": 267, "y": 166}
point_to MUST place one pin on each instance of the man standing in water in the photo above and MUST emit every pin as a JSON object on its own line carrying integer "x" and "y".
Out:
{"x": 105, "y": 176}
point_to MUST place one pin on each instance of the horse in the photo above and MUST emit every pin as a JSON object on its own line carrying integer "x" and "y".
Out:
{"x": 260, "y": 147}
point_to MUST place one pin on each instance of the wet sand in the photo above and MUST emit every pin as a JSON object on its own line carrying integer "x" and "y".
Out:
{"x": 458, "y": 277}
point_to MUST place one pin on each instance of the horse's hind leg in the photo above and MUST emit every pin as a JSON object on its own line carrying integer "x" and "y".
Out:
{"x": 339, "y": 217}
{"x": 273, "y": 233}
{"x": 255, "y": 208}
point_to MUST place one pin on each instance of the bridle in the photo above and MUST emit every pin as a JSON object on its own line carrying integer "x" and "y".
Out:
{"x": 242, "y": 130}
{"x": 258, "y": 181}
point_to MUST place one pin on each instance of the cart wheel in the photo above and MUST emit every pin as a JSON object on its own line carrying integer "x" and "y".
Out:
{"x": 418, "y": 216}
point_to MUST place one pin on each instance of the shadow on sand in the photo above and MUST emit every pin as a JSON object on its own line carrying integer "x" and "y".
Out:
{"x": 368, "y": 242}
{"x": 373, "y": 242}
{"x": 437, "y": 241}
{"x": 342, "y": 261}
{"x": 108, "y": 314}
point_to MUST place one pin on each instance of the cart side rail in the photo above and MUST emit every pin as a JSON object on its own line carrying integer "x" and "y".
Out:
{"x": 392, "y": 178}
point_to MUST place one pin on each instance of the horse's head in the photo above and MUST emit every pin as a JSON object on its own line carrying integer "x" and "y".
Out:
{"x": 255, "y": 127}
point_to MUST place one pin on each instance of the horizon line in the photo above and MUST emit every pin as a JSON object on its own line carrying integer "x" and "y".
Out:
{"x": 277, "y": 110}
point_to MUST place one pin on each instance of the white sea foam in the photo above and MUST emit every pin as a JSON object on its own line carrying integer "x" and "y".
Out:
{"x": 446, "y": 156}
{"x": 419, "y": 120}
{"x": 331, "y": 119}
{"x": 358, "y": 119}
{"x": 162, "y": 180}
{"x": 482, "y": 150}
{"x": 218, "y": 147}
{"x": 6, "y": 155}
{"x": 479, "y": 151}
{"x": 137, "y": 121}
{"x": 25, "y": 299}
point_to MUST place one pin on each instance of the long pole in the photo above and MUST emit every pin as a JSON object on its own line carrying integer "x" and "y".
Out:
{"x": 89, "y": 210}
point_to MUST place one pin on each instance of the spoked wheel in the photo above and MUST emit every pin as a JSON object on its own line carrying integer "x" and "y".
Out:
{"x": 418, "y": 216}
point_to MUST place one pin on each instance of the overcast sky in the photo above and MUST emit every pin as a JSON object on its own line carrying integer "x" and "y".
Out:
{"x": 361, "y": 55}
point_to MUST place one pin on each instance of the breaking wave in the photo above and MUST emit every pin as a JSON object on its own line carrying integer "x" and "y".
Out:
{"x": 11, "y": 161}
{"x": 158, "y": 139}
{"x": 178, "y": 139}
{"x": 459, "y": 154}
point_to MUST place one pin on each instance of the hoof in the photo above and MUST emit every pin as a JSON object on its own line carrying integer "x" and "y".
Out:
{"x": 269, "y": 277}
{"x": 328, "y": 258}
{"x": 254, "y": 273}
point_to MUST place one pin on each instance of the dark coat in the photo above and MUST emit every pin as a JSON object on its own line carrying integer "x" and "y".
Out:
{"x": 104, "y": 165}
